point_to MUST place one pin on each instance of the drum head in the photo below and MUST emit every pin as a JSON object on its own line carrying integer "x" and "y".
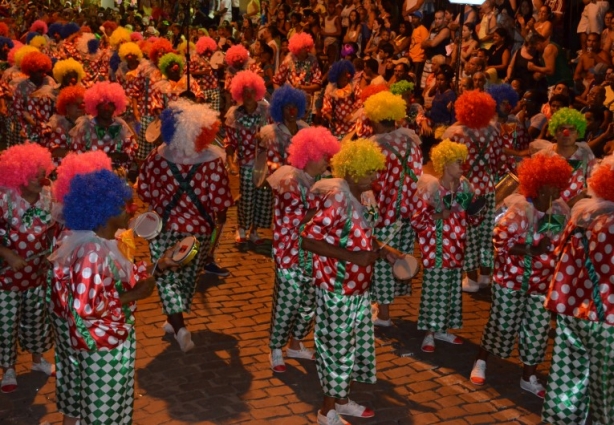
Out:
{"x": 217, "y": 59}
{"x": 185, "y": 250}
{"x": 154, "y": 131}
{"x": 405, "y": 268}
{"x": 261, "y": 170}
{"x": 477, "y": 205}
{"x": 147, "y": 225}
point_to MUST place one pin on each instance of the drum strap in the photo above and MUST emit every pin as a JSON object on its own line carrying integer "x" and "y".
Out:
{"x": 184, "y": 187}
{"x": 480, "y": 157}
{"x": 592, "y": 274}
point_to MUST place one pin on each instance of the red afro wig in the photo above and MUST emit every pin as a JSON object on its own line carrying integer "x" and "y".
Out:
{"x": 312, "y": 144}
{"x": 21, "y": 163}
{"x": 247, "y": 79}
{"x": 205, "y": 44}
{"x": 475, "y": 109}
{"x": 158, "y": 49}
{"x": 136, "y": 36}
{"x": 543, "y": 170}
{"x": 206, "y": 136}
{"x": 4, "y": 30}
{"x": 299, "y": 42}
{"x": 103, "y": 92}
{"x": 36, "y": 62}
{"x": 236, "y": 56}
{"x": 372, "y": 89}
{"x": 38, "y": 26}
{"x": 109, "y": 25}
{"x": 78, "y": 163}
{"x": 67, "y": 96}
{"x": 600, "y": 182}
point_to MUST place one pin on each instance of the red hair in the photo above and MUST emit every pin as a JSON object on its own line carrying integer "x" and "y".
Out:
{"x": 67, "y": 96}
{"x": 543, "y": 170}
{"x": 102, "y": 92}
{"x": 601, "y": 182}
{"x": 21, "y": 163}
{"x": 158, "y": 49}
{"x": 34, "y": 62}
{"x": 312, "y": 144}
{"x": 372, "y": 89}
{"x": 475, "y": 109}
{"x": 4, "y": 30}
{"x": 39, "y": 25}
{"x": 247, "y": 79}
{"x": 109, "y": 25}
{"x": 205, "y": 44}
{"x": 299, "y": 42}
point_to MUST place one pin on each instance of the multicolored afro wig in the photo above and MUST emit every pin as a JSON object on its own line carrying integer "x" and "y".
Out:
{"x": 78, "y": 163}
{"x": 475, "y": 109}
{"x": 357, "y": 159}
{"x": 385, "y": 106}
{"x": 159, "y": 48}
{"x": 68, "y": 96}
{"x": 312, "y": 144}
{"x": 94, "y": 198}
{"x": 502, "y": 93}
{"x": 168, "y": 60}
{"x": 600, "y": 182}
{"x": 339, "y": 68}
{"x": 21, "y": 163}
{"x": 103, "y": 92}
{"x": 36, "y": 62}
{"x": 205, "y": 45}
{"x": 21, "y": 53}
{"x": 118, "y": 36}
{"x": 543, "y": 170}
{"x": 568, "y": 116}
{"x": 372, "y": 89}
{"x": 446, "y": 152}
{"x": 284, "y": 96}
{"x": 55, "y": 29}
{"x": 5, "y": 41}
{"x": 39, "y": 26}
{"x": 63, "y": 67}
{"x": 236, "y": 56}
{"x": 300, "y": 41}
{"x": 73, "y": 28}
{"x": 130, "y": 48}
{"x": 247, "y": 80}
{"x": 402, "y": 87}
{"x": 4, "y": 30}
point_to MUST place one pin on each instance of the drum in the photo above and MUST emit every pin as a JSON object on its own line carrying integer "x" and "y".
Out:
{"x": 405, "y": 268}
{"x": 147, "y": 225}
{"x": 185, "y": 250}
{"x": 153, "y": 134}
{"x": 508, "y": 185}
{"x": 261, "y": 169}
{"x": 217, "y": 59}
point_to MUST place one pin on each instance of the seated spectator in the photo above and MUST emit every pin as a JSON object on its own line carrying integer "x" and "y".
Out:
{"x": 556, "y": 102}
{"x": 499, "y": 53}
{"x": 588, "y": 60}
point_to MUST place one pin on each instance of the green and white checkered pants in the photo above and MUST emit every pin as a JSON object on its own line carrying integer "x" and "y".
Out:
{"x": 345, "y": 346}
{"x": 581, "y": 373}
{"x": 441, "y": 302}
{"x": 479, "y": 251}
{"x": 176, "y": 286}
{"x": 212, "y": 97}
{"x": 255, "y": 207}
{"x": 293, "y": 306}
{"x": 384, "y": 286}
{"x": 67, "y": 375}
{"x": 23, "y": 318}
{"x": 144, "y": 146}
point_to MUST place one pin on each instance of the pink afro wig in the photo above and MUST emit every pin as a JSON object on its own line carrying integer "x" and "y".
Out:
{"x": 475, "y": 109}
{"x": 158, "y": 49}
{"x": 236, "y": 56}
{"x": 299, "y": 42}
{"x": 372, "y": 89}
{"x": 543, "y": 170}
{"x": 39, "y": 25}
{"x": 4, "y": 30}
{"x": 312, "y": 144}
{"x": 35, "y": 62}
{"x": 78, "y": 163}
{"x": 136, "y": 36}
{"x": 205, "y": 44}
{"x": 600, "y": 182}
{"x": 21, "y": 163}
{"x": 247, "y": 79}
{"x": 103, "y": 92}
{"x": 67, "y": 96}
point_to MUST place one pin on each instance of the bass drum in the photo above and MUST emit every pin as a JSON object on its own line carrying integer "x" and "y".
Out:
{"x": 153, "y": 134}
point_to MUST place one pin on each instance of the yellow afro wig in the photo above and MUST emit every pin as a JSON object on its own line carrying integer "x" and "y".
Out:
{"x": 38, "y": 41}
{"x": 130, "y": 48}
{"x": 63, "y": 67}
{"x": 446, "y": 152}
{"x": 385, "y": 106}
{"x": 182, "y": 46}
{"x": 358, "y": 158}
{"x": 22, "y": 52}
{"x": 119, "y": 36}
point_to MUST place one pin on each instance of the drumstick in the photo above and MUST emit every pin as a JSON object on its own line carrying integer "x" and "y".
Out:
{"x": 397, "y": 228}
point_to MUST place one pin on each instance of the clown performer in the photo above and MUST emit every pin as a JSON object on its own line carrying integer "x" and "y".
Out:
{"x": 66, "y": 46}
{"x": 524, "y": 265}
{"x": 294, "y": 295}
{"x": 68, "y": 72}
{"x": 191, "y": 197}
{"x": 127, "y": 76}
{"x": 10, "y": 78}
{"x": 475, "y": 111}
{"x": 25, "y": 220}
{"x": 243, "y": 124}
{"x": 102, "y": 129}
{"x": 581, "y": 293}
{"x": 394, "y": 188}
{"x": 341, "y": 98}
{"x": 237, "y": 60}
{"x": 405, "y": 89}
{"x": 94, "y": 59}
{"x": 6, "y": 44}
{"x": 341, "y": 239}
{"x": 364, "y": 127}
{"x": 203, "y": 73}
{"x": 69, "y": 108}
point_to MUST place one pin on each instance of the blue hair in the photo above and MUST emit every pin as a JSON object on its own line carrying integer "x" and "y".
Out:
{"x": 168, "y": 124}
{"x": 93, "y": 45}
{"x": 503, "y": 92}
{"x": 114, "y": 61}
{"x": 30, "y": 36}
{"x": 338, "y": 68}
{"x": 287, "y": 95}
{"x": 94, "y": 198}
{"x": 5, "y": 41}
{"x": 70, "y": 29}
{"x": 55, "y": 28}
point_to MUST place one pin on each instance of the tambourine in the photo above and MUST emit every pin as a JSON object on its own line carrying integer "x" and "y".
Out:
{"x": 147, "y": 225}
{"x": 153, "y": 134}
{"x": 405, "y": 268}
{"x": 185, "y": 250}
{"x": 217, "y": 59}
{"x": 261, "y": 169}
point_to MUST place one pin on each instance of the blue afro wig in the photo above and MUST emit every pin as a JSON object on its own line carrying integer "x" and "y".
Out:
{"x": 503, "y": 92}
{"x": 339, "y": 68}
{"x": 30, "y": 36}
{"x": 5, "y": 41}
{"x": 168, "y": 124}
{"x": 287, "y": 95}
{"x": 70, "y": 29}
{"x": 55, "y": 28}
{"x": 93, "y": 45}
{"x": 94, "y": 198}
{"x": 114, "y": 61}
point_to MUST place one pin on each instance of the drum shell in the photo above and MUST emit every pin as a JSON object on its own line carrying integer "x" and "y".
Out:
{"x": 506, "y": 186}
{"x": 260, "y": 170}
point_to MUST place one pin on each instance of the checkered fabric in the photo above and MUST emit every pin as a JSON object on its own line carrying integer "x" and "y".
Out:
{"x": 479, "y": 250}
{"x": 176, "y": 286}
{"x": 23, "y": 318}
{"x": 255, "y": 207}
{"x": 441, "y": 301}
{"x": 345, "y": 346}
{"x": 581, "y": 373}
{"x": 384, "y": 286}
{"x": 515, "y": 314}
{"x": 293, "y": 306}
{"x": 67, "y": 376}
{"x": 212, "y": 97}
{"x": 14, "y": 137}
{"x": 144, "y": 146}
{"x": 107, "y": 384}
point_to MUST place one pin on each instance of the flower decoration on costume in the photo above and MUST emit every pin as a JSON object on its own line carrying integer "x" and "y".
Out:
{"x": 103, "y": 92}
{"x": 312, "y": 144}
{"x": 475, "y": 109}
{"x": 22, "y": 52}
{"x": 600, "y": 182}
{"x": 247, "y": 79}
{"x": 385, "y": 106}
{"x": 21, "y": 163}
{"x": 35, "y": 62}
{"x": 63, "y": 67}
{"x": 543, "y": 170}
{"x": 357, "y": 159}
{"x": 67, "y": 96}
{"x": 168, "y": 60}
{"x": 78, "y": 163}
{"x": 159, "y": 48}
{"x": 503, "y": 92}
{"x": 39, "y": 26}
{"x": 446, "y": 152}
{"x": 402, "y": 87}
{"x": 236, "y": 56}
{"x": 339, "y": 68}
{"x": 205, "y": 45}
{"x": 130, "y": 48}
{"x": 372, "y": 89}
{"x": 284, "y": 96}
{"x": 568, "y": 116}
{"x": 300, "y": 41}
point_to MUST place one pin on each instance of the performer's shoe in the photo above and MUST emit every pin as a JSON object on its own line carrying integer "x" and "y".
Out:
{"x": 168, "y": 328}
{"x": 478, "y": 373}
{"x": 384, "y": 323}
{"x": 470, "y": 285}
{"x": 276, "y": 358}
{"x": 351, "y": 408}
{"x": 214, "y": 269}
{"x": 533, "y": 386}
{"x": 240, "y": 236}
{"x": 331, "y": 418}
{"x": 184, "y": 338}
{"x": 448, "y": 337}
{"x": 484, "y": 281}
{"x": 428, "y": 343}
{"x": 9, "y": 381}
{"x": 45, "y": 367}
{"x": 255, "y": 238}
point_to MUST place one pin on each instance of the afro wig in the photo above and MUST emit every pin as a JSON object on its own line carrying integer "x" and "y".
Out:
{"x": 447, "y": 152}
{"x": 159, "y": 48}
{"x": 67, "y": 96}
{"x": 402, "y": 87}
{"x": 38, "y": 41}
{"x": 168, "y": 60}
{"x": 21, "y": 163}
{"x": 83, "y": 43}
{"x": 30, "y": 36}
{"x": 357, "y": 159}
{"x": 55, "y": 29}
{"x": 300, "y": 41}
{"x": 385, "y": 106}
{"x": 236, "y": 56}
{"x": 78, "y": 163}
{"x": 568, "y": 116}
{"x": 39, "y": 26}
{"x": 312, "y": 144}
{"x": 70, "y": 29}
{"x": 205, "y": 45}
{"x": 63, "y": 67}
{"x": 502, "y": 93}
{"x": 543, "y": 170}
{"x": 21, "y": 53}
{"x": 115, "y": 61}
{"x": 136, "y": 36}
{"x": 339, "y": 68}
{"x": 475, "y": 109}
{"x": 94, "y": 198}
{"x": 181, "y": 48}
{"x": 600, "y": 182}
{"x": 372, "y": 89}
{"x": 109, "y": 25}
{"x": 5, "y": 41}
{"x": 93, "y": 45}
{"x": 287, "y": 95}
{"x": 188, "y": 128}
{"x": 102, "y": 92}
{"x": 247, "y": 79}
{"x": 118, "y": 36}
{"x": 36, "y": 62}
{"x": 4, "y": 30}
{"x": 130, "y": 48}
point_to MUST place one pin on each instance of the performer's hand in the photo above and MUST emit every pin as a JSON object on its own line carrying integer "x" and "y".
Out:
{"x": 16, "y": 262}
{"x": 365, "y": 258}
{"x": 166, "y": 261}
{"x": 142, "y": 289}
{"x": 390, "y": 254}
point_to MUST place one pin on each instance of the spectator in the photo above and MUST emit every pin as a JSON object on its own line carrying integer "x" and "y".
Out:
{"x": 370, "y": 75}
{"x": 542, "y": 25}
{"x": 592, "y": 21}
{"x": 589, "y": 59}
{"x": 469, "y": 42}
{"x": 518, "y": 68}
{"x": 555, "y": 69}
{"x": 499, "y": 53}
{"x": 354, "y": 30}
{"x": 488, "y": 24}
{"x": 402, "y": 40}
{"x": 473, "y": 65}
{"x": 416, "y": 52}
{"x": 439, "y": 38}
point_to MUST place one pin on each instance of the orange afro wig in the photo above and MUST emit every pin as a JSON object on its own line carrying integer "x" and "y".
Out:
{"x": 475, "y": 109}
{"x": 247, "y": 79}
{"x": 67, "y": 96}
{"x": 35, "y": 62}
{"x": 159, "y": 48}
{"x": 299, "y": 42}
{"x": 103, "y": 92}
{"x": 372, "y": 89}
{"x": 236, "y": 56}
{"x": 21, "y": 163}
{"x": 543, "y": 170}
{"x": 600, "y": 182}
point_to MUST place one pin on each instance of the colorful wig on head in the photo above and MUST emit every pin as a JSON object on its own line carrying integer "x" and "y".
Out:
{"x": 136, "y": 36}
{"x": 169, "y": 59}
{"x": 118, "y": 36}
{"x": 109, "y": 25}
{"x": 39, "y": 41}
{"x": 372, "y": 89}
{"x": 21, "y": 163}
{"x": 205, "y": 45}
{"x": 247, "y": 79}
{"x": 600, "y": 182}
{"x": 94, "y": 198}
{"x": 300, "y": 41}
{"x": 55, "y": 29}
{"x": 21, "y": 53}
{"x": 67, "y": 96}
{"x": 543, "y": 170}
{"x": 446, "y": 152}
{"x": 93, "y": 46}
{"x": 385, "y": 106}
{"x": 4, "y": 30}
{"x": 503, "y": 92}
{"x": 287, "y": 95}
{"x": 159, "y": 48}
{"x": 72, "y": 28}
{"x": 83, "y": 43}
{"x": 339, "y": 68}
{"x": 39, "y": 26}
{"x": 236, "y": 56}
{"x": 35, "y": 62}
{"x": 181, "y": 48}
{"x": 357, "y": 159}
{"x": 78, "y": 163}
{"x": 5, "y": 41}
{"x": 312, "y": 144}
{"x": 568, "y": 116}
{"x": 475, "y": 109}
{"x": 63, "y": 67}
{"x": 402, "y": 87}
{"x": 130, "y": 48}
{"x": 102, "y": 92}
{"x": 30, "y": 36}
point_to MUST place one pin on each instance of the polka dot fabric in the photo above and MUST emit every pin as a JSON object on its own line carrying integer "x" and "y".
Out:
{"x": 207, "y": 80}
{"x": 41, "y": 108}
{"x": 298, "y": 73}
{"x": 341, "y": 110}
{"x": 242, "y": 138}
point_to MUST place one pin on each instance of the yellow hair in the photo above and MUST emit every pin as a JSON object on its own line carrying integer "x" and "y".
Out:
{"x": 357, "y": 159}
{"x": 120, "y": 35}
{"x": 181, "y": 47}
{"x": 447, "y": 152}
{"x": 130, "y": 48}
{"x": 38, "y": 41}
{"x": 22, "y": 52}
{"x": 65, "y": 66}
{"x": 384, "y": 106}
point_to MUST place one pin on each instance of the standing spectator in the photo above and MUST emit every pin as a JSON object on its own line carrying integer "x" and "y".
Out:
{"x": 403, "y": 39}
{"x": 554, "y": 69}
{"x": 417, "y": 54}
{"x": 488, "y": 24}
{"x": 439, "y": 38}
{"x": 589, "y": 59}
{"x": 592, "y": 21}
{"x": 331, "y": 32}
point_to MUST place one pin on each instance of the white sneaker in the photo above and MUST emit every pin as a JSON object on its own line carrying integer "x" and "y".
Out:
{"x": 470, "y": 285}
{"x": 303, "y": 353}
{"x": 276, "y": 358}
{"x": 331, "y": 418}
{"x": 168, "y": 328}
{"x": 9, "y": 381}
{"x": 484, "y": 281}
{"x": 45, "y": 367}
{"x": 351, "y": 408}
{"x": 478, "y": 373}
{"x": 184, "y": 338}
{"x": 533, "y": 386}
{"x": 448, "y": 337}
{"x": 428, "y": 343}
{"x": 384, "y": 323}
